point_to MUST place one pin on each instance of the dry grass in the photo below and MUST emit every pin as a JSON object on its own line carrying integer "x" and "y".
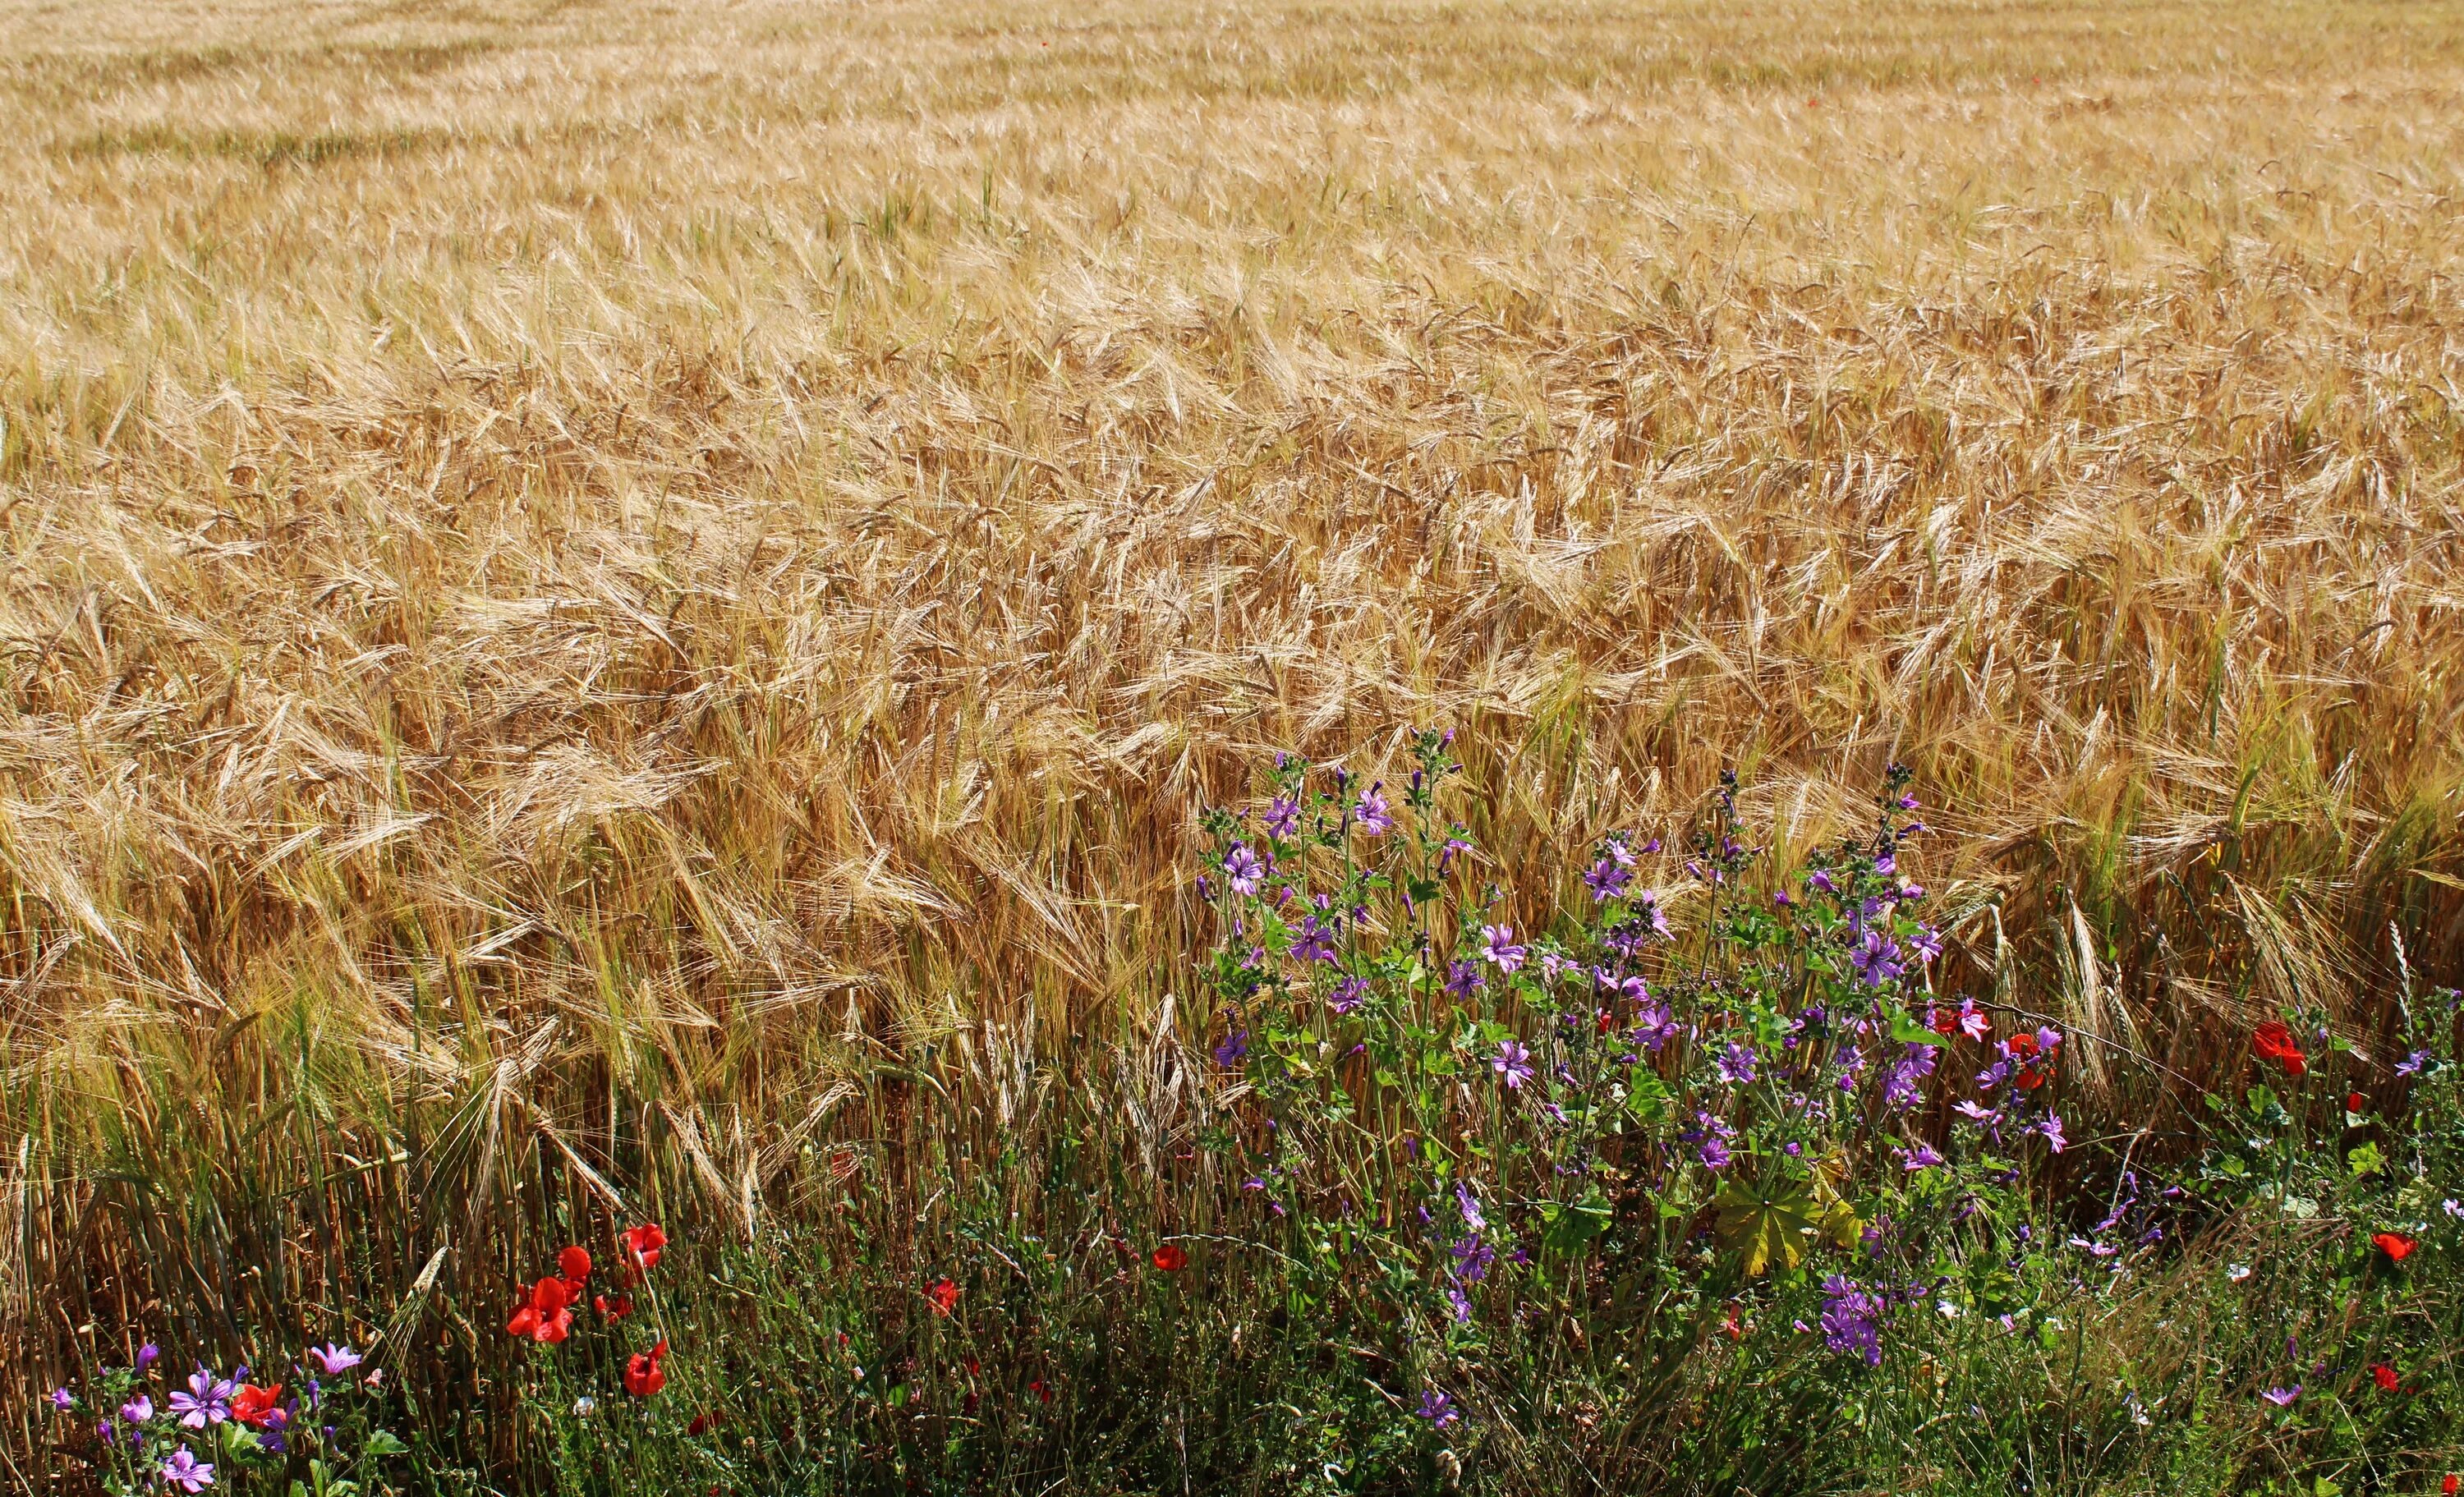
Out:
{"x": 586, "y": 551}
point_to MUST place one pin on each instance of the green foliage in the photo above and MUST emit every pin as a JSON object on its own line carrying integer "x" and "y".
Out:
{"x": 1696, "y": 1184}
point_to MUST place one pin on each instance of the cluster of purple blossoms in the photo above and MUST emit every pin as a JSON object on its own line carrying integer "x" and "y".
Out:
{"x": 1714, "y": 1140}
{"x": 1851, "y": 1318}
{"x": 1905, "y": 1087}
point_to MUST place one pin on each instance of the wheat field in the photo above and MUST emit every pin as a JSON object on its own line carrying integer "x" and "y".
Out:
{"x": 560, "y": 552}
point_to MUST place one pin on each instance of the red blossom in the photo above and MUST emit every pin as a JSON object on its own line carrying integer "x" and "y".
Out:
{"x": 1171, "y": 1258}
{"x": 546, "y": 1313}
{"x": 943, "y": 1296}
{"x": 574, "y": 1263}
{"x": 644, "y": 1244}
{"x": 2395, "y": 1245}
{"x": 255, "y": 1405}
{"x": 2275, "y": 1040}
{"x": 2385, "y": 1376}
{"x": 643, "y": 1374}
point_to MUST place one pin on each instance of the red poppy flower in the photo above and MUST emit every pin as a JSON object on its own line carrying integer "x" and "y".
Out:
{"x": 1038, "y": 1388}
{"x": 702, "y": 1421}
{"x": 2353, "y": 1102}
{"x": 943, "y": 1296}
{"x": 643, "y": 1374}
{"x": 644, "y": 1244}
{"x": 574, "y": 1263}
{"x": 1945, "y": 1022}
{"x": 2395, "y": 1245}
{"x": 545, "y": 1314}
{"x": 2385, "y": 1375}
{"x": 2275, "y": 1041}
{"x": 255, "y": 1405}
{"x": 2447, "y": 1487}
{"x": 616, "y": 1309}
{"x": 1170, "y": 1258}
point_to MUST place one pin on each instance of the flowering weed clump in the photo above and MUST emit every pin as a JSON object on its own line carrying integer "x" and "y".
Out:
{"x": 1715, "y": 1169}
{"x": 153, "y": 1431}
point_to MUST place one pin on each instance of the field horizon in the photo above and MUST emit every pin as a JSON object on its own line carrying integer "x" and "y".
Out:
{"x": 602, "y": 602}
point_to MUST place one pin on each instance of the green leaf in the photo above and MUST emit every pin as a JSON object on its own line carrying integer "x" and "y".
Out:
{"x": 1776, "y": 1224}
{"x": 2365, "y": 1161}
{"x": 1648, "y": 1100}
{"x": 1571, "y": 1225}
{"x": 382, "y": 1442}
{"x": 1907, "y": 1031}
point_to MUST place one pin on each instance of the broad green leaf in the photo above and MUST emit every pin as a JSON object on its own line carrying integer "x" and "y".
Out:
{"x": 1571, "y": 1225}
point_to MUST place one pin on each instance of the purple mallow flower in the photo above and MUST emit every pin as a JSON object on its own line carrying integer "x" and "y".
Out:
{"x": 1469, "y": 1204}
{"x": 1463, "y": 980}
{"x": 1438, "y": 1409}
{"x": 184, "y": 1471}
{"x": 1243, "y": 869}
{"x": 333, "y": 1359}
{"x": 1316, "y": 942}
{"x": 1653, "y": 1025}
{"x": 2282, "y": 1398}
{"x": 207, "y": 1401}
{"x": 1736, "y": 1064}
{"x": 1497, "y": 944}
{"x": 1513, "y": 1063}
{"x": 138, "y": 1410}
{"x": 1877, "y": 959}
{"x": 1349, "y": 994}
{"x": 1234, "y": 1048}
{"x": 1283, "y": 816}
{"x": 1370, "y": 812}
{"x": 1607, "y": 879}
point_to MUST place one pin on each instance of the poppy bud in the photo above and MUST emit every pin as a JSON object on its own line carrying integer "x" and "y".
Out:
{"x": 574, "y": 1263}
